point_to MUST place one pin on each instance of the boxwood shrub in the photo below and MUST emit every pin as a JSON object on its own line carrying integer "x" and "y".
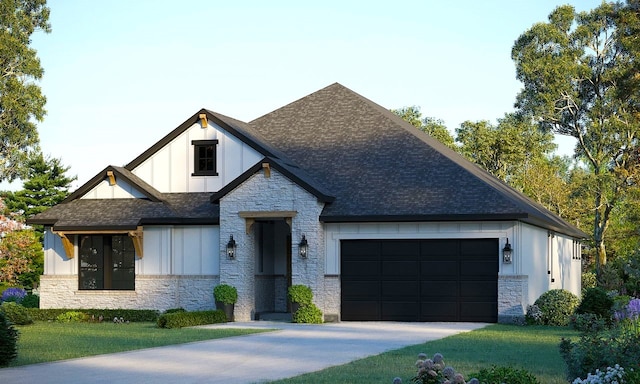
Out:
{"x": 309, "y": 314}
{"x": 16, "y": 313}
{"x": 8, "y": 341}
{"x": 190, "y": 319}
{"x": 556, "y": 307}
{"x": 132, "y": 315}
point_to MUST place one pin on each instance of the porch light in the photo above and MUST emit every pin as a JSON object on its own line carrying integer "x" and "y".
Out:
{"x": 231, "y": 248}
{"x": 506, "y": 253}
{"x": 303, "y": 247}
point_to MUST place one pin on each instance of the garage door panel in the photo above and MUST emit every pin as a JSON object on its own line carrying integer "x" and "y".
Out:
{"x": 357, "y": 269}
{"x": 439, "y": 311}
{"x": 361, "y": 289}
{"x": 400, "y": 268}
{"x": 360, "y": 310}
{"x": 479, "y": 268}
{"x": 400, "y": 289}
{"x": 478, "y": 247}
{"x": 397, "y": 248}
{"x": 437, "y": 248}
{"x": 439, "y": 288}
{"x": 480, "y": 311}
{"x": 478, "y": 289}
{"x": 440, "y": 270}
{"x": 400, "y": 310}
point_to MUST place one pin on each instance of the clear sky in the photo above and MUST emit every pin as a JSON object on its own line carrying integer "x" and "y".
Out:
{"x": 121, "y": 74}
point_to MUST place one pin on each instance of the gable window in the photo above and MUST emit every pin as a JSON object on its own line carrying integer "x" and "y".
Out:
{"x": 204, "y": 154}
{"x": 106, "y": 262}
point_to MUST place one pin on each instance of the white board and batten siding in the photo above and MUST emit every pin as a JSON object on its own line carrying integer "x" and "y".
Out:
{"x": 181, "y": 250}
{"x": 170, "y": 169}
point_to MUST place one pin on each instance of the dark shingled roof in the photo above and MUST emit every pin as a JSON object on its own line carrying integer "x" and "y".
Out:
{"x": 381, "y": 168}
{"x": 363, "y": 161}
{"x": 125, "y": 214}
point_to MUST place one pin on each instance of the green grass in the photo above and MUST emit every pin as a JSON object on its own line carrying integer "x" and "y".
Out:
{"x": 534, "y": 348}
{"x": 43, "y": 341}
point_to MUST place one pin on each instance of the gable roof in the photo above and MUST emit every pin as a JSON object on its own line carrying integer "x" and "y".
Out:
{"x": 142, "y": 186}
{"x": 381, "y": 168}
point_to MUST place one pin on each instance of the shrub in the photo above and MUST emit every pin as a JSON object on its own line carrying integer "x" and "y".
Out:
{"x": 589, "y": 280}
{"x": 72, "y": 317}
{"x": 190, "y": 319}
{"x": 300, "y": 294}
{"x": 309, "y": 314}
{"x": 16, "y": 313}
{"x": 133, "y": 315}
{"x": 225, "y": 293}
{"x": 13, "y": 294}
{"x": 596, "y": 301}
{"x": 587, "y": 322}
{"x": 498, "y": 375}
{"x": 8, "y": 341}
{"x": 599, "y": 350}
{"x": 556, "y": 307}
{"x": 31, "y": 301}
{"x": 175, "y": 310}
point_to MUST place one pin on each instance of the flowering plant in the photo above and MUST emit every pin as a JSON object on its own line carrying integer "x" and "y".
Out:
{"x": 434, "y": 371}
{"x": 613, "y": 375}
{"x": 13, "y": 294}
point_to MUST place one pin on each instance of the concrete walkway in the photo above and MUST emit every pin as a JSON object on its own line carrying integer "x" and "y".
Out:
{"x": 292, "y": 350}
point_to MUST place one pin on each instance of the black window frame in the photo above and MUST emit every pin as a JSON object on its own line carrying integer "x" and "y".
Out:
{"x": 199, "y": 158}
{"x": 120, "y": 255}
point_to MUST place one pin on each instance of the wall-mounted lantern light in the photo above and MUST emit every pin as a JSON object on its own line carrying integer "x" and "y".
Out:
{"x": 507, "y": 253}
{"x": 303, "y": 247}
{"x": 231, "y": 248}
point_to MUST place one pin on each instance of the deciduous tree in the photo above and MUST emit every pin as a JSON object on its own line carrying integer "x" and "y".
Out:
{"x": 21, "y": 100}
{"x": 429, "y": 125}
{"x": 576, "y": 70}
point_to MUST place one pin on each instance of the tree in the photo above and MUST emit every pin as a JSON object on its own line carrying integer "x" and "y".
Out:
{"x": 576, "y": 70}
{"x": 21, "y": 100}
{"x": 429, "y": 125}
{"x": 45, "y": 185}
{"x": 507, "y": 150}
{"x": 21, "y": 258}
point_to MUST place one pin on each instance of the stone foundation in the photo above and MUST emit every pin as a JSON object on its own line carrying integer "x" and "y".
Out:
{"x": 512, "y": 291}
{"x": 152, "y": 292}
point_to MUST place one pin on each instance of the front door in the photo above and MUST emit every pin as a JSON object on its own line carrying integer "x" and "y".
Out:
{"x": 273, "y": 265}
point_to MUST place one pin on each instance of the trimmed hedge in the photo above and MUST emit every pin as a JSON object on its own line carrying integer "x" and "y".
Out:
{"x": 16, "y": 313}
{"x": 190, "y": 319}
{"x": 132, "y": 315}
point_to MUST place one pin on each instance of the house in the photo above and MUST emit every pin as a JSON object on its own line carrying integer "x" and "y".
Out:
{"x": 331, "y": 191}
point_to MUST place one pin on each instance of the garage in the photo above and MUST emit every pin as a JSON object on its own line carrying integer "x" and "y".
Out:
{"x": 419, "y": 280}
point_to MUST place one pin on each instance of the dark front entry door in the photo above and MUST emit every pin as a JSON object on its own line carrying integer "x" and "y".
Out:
{"x": 420, "y": 280}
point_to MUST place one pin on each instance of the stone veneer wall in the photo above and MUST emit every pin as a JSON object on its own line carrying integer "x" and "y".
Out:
{"x": 152, "y": 292}
{"x": 332, "y": 299}
{"x": 512, "y": 293}
{"x": 274, "y": 193}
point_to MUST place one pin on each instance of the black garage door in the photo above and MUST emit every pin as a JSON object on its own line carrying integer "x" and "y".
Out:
{"x": 420, "y": 280}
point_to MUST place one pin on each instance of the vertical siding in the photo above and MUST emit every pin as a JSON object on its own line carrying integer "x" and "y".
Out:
{"x": 170, "y": 169}
{"x": 122, "y": 190}
{"x": 55, "y": 259}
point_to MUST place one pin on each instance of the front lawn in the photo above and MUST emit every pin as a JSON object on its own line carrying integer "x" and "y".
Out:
{"x": 534, "y": 348}
{"x": 50, "y": 341}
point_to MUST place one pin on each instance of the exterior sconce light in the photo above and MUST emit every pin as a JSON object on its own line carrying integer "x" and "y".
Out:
{"x": 303, "y": 247}
{"x": 507, "y": 253}
{"x": 231, "y": 248}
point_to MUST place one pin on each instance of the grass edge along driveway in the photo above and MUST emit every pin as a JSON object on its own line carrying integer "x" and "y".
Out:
{"x": 50, "y": 341}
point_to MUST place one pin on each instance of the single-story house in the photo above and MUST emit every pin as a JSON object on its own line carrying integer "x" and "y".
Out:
{"x": 332, "y": 191}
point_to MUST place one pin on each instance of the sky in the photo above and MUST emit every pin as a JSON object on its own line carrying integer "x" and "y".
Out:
{"x": 121, "y": 74}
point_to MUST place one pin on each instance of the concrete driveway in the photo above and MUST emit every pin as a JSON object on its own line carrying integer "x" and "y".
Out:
{"x": 292, "y": 350}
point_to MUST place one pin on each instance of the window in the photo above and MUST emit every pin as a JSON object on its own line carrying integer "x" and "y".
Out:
{"x": 204, "y": 153}
{"x": 106, "y": 262}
